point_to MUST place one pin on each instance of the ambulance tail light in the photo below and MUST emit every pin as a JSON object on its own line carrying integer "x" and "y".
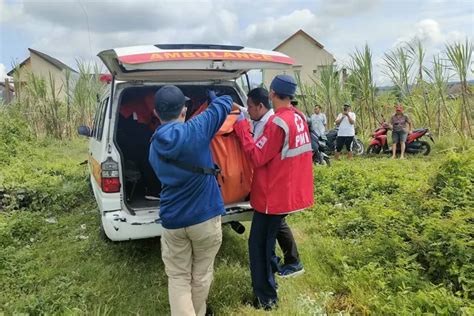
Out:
{"x": 107, "y": 78}
{"x": 110, "y": 176}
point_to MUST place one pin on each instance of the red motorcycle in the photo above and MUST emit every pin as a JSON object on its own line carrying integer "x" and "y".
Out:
{"x": 414, "y": 145}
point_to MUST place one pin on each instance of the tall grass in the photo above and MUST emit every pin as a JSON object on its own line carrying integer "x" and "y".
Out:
{"x": 328, "y": 91}
{"x": 85, "y": 95}
{"x": 398, "y": 68}
{"x": 417, "y": 53}
{"x": 460, "y": 56}
{"x": 439, "y": 77}
{"x": 55, "y": 111}
{"x": 326, "y": 85}
{"x": 419, "y": 85}
{"x": 363, "y": 82}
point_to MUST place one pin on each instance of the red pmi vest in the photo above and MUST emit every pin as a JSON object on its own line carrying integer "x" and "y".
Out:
{"x": 284, "y": 184}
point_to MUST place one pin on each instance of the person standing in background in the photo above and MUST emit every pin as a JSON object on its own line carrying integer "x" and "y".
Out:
{"x": 318, "y": 121}
{"x": 400, "y": 131}
{"x": 346, "y": 131}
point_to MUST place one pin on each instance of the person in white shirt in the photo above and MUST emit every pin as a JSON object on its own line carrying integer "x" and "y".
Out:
{"x": 346, "y": 131}
{"x": 260, "y": 111}
{"x": 318, "y": 121}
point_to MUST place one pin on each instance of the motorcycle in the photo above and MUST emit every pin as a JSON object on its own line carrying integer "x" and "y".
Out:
{"x": 331, "y": 135}
{"x": 413, "y": 144}
{"x": 318, "y": 143}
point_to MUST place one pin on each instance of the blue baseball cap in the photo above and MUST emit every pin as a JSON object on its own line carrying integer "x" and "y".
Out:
{"x": 169, "y": 98}
{"x": 284, "y": 85}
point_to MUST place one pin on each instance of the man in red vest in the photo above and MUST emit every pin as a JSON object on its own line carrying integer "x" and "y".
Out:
{"x": 282, "y": 182}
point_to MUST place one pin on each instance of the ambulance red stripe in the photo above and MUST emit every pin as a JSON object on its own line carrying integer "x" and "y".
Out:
{"x": 203, "y": 55}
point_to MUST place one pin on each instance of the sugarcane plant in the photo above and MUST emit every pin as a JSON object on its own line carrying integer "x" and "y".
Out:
{"x": 460, "y": 57}
{"x": 417, "y": 53}
{"x": 363, "y": 85}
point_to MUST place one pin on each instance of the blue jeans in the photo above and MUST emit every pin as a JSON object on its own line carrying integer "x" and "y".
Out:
{"x": 262, "y": 240}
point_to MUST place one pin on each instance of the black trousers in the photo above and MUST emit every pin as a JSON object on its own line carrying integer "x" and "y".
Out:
{"x": 262, "y": 240}
{"x": 287, "y": 243}
{"x": 344, "y": 140}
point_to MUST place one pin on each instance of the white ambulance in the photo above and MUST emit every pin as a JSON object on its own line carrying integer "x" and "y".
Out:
{"x": 125, "y": 213}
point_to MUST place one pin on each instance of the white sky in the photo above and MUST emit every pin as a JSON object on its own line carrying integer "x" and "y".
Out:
{"x": 71, "y": 30}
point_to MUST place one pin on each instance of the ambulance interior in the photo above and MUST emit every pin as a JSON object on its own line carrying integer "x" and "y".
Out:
{"x": 135, "y": 127}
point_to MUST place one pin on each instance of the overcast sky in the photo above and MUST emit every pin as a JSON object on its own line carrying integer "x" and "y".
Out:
{"x": 71, "y": 30}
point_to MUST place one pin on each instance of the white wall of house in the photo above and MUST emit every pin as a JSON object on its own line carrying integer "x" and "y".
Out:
{"x": 42, "y": 68}
{"x": 307, "y": 55}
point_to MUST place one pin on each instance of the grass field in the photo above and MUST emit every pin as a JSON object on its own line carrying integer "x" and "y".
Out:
{"x": 384, "y": 238}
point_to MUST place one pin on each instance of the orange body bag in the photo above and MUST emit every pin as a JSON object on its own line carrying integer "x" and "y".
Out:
{"x": 235, "y": 178}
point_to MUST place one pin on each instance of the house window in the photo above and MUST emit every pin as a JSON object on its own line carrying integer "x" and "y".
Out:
{"x": 322, "y": 67}
{"x": 319, "y": 69}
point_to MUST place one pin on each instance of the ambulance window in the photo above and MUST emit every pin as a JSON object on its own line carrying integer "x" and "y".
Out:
{"x": 242, "y": 82}
{"x": 254, "y": 77}
{"x": 100, "y": 119}
{"x": 96, "y": 119}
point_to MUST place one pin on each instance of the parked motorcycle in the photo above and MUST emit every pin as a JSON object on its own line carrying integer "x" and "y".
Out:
{"x": 318, "y": 142}
{"x": 414, "y": 145}
{"x": 331, "y": 135}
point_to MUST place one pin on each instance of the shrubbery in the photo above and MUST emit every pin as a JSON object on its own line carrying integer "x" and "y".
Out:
{"x": 404, "y": 233}
{"x": 13, "y": 134}
{"x": 385, "y": 237}
{"x": 39, "y": 175}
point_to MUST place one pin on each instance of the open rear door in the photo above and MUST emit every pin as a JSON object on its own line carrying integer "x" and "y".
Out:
{"x": 189, "y": 62}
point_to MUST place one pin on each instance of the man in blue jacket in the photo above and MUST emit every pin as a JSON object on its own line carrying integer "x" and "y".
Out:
{"x": 191, "y": 202}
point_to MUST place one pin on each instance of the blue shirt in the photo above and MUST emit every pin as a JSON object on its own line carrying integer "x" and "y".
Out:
{"x": 189, "y": 198}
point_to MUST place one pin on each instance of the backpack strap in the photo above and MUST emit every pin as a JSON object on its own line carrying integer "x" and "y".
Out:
{"x": 192, "y": 168}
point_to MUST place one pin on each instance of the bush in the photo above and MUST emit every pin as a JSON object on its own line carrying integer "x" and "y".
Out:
{"x": 45, "y": 176}
{"x": 454, "y": 182}
{"x": 13, "y": 134}
{"x": 406, "y": 229}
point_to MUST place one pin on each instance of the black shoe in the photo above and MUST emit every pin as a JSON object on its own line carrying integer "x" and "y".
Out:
{"x": 257, "y": 304}
{"x": 209, "y": 311}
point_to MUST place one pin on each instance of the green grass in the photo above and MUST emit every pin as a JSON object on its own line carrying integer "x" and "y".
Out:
{"x": 385, "y": 238}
